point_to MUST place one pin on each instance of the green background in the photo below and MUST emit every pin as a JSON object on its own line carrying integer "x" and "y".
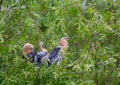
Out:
{"x": 93, "y": 56}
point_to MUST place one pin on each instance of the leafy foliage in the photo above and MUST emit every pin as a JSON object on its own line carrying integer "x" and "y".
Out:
{"x": 93, "y": 57}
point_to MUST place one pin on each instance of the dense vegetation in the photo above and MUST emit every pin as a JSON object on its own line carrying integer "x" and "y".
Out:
{"x": 93, "y": 57}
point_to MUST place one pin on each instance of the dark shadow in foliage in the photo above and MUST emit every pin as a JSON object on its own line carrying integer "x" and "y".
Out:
{"x": 43, "y": 27}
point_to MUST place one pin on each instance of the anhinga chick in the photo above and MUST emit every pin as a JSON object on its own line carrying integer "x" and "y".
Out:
{"x": 58, "y": 53}
{"x": 28, "y": 50}
{"x": 43, "y": 50}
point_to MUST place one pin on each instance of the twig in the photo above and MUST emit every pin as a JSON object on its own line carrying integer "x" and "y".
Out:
{"x": 6, "y": 15}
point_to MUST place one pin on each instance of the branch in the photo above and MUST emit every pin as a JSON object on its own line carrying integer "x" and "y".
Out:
{"x": 10, "y": 12}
